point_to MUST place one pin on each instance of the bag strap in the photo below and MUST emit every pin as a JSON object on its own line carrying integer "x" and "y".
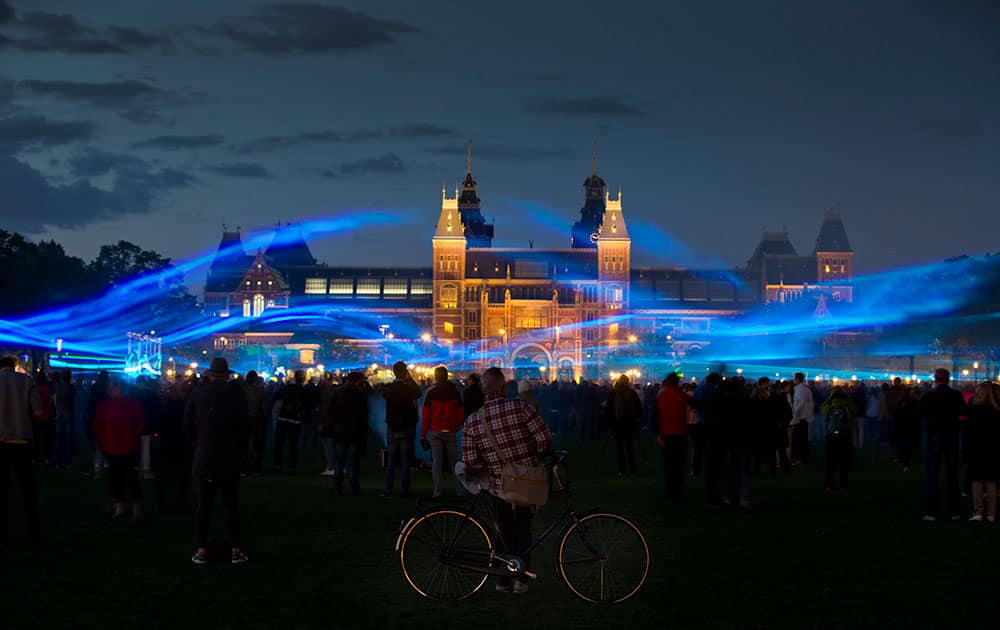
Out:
{"x": 489, "y": 436}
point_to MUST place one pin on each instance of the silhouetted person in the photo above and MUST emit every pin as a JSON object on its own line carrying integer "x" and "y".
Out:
{"x": 442, "y": 415}
{"x": 941, "y": 408}
{"x": 350, "y": 430}
{"x": 43, "y": 417}
{"x": 257, "y": 405}
{"x": 671, "y": 428}
{"x": 15, "y": 447}
{"x": 706, "y": 401}
{"x": 982, "y": 451}
{"x": 293, "y": 399}
{"x": 472, "y": 397}
{"x": 118, "y": 429}
{"x": 622, "y": 413}
{"x": 840, "y": 411}
{"x": 65, "y": 403}
{"x": 401, "y": 420}
{"x": 216, "y": 420}
{"x": 803, "y": 415}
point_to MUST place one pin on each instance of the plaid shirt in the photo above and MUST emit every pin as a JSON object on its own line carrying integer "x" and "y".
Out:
{"x": 518, "y": 430}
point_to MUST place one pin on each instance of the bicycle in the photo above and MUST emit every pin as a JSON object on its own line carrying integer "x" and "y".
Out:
{"x": 448, "y": 553}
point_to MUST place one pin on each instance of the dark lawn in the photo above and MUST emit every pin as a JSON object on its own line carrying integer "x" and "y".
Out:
{"x": 799, "y": 559}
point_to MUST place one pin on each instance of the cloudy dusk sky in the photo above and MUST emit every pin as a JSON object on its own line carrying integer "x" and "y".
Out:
{"x": 157, "y": 122}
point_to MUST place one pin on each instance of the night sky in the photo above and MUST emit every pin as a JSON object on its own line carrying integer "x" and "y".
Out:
{"x": 156, "y": 122}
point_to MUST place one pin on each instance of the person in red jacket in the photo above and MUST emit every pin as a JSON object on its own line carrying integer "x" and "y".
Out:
{"x": 118, "y": 427}
{"x": 443, "y": 414}
{"x": 671, "y": 433}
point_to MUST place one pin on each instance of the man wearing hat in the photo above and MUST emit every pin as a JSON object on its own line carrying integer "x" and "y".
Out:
{"x": 216, "y": 420}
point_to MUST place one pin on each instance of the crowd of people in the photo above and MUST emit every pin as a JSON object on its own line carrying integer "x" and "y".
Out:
{"x": 216, "y": 428}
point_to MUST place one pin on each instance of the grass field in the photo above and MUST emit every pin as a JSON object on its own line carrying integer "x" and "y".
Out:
{"x": 799, "y": 559}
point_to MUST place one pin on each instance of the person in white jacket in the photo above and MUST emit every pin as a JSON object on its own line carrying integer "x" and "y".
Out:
{"x": 803, "y": 414}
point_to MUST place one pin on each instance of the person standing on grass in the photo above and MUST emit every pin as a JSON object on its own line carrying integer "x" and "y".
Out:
{"x": 706, "y": 401}
{"x": 671, "y": 427}
{"x": 215, "y": 418}
{"x": 401, "y": 420}
{"x": 347, "y": 413}
{"x": 257, "y": 405}
{"x": 736, "y": 428}
{"x": 15, "y": 447}
{"x": 293, "y": 399}
{"x": 98, "y": 394}
{"x": 622, "y": 412}
{"x": 982, "y": 451}
{"x": 65, "y": 402}
{"x": 118, "y": 428}
{"x": 840, "y": 412}
{"x": 472, "y": 397}
{"x": 804, "y": 413}
{"x": 43, "y": 417}
{"x": 941, "y": 408}
{"x": 443, "y": 415}
{"x": 521, "y": 437}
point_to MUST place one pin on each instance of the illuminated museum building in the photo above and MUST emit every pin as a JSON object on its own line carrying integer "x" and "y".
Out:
{"x": 561, "y": 309}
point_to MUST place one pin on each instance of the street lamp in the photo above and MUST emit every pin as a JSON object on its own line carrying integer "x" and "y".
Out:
{"x": 632, "y": 339}
{"x": 739, "y": 371}
{"x": 426, "y": 337}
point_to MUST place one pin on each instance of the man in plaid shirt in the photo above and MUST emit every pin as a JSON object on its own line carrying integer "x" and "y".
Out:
{"x": 522, "y": 438}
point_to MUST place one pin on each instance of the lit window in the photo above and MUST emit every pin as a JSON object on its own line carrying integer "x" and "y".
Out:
{"x": 394, "y": 286}
{"x": 421, "y": 286}
{"x": 342, "y": 287}
{"x": 246, "y": 308}
{"x": 613, "y": 330}
{"x": 258, "y": 305}
{"x": 449, "y": 297}
{"x": 368, "y": 287}
{"x": 449, "y": 328}
{"x": 827, "y": 268}
{"x": 315, "y": 286}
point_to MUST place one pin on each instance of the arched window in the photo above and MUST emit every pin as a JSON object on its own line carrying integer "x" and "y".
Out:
{"x": 258, "y": 305}
{"x": 246, "y": 308}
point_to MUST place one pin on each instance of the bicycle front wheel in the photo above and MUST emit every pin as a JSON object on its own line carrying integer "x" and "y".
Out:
{"x": 445, "y": 554}
{"x": 603, "y": 558}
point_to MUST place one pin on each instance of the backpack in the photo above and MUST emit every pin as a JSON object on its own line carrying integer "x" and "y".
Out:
{"x": 837, "y": 420}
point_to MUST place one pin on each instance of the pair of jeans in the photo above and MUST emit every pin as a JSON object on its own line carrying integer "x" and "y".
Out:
{"x": 255, "y": 442}
{"x": 347, "y": 454}
{"x": 444, "y": 452}
{"x": 514, "y": 526}
{"x": 287, "y": 431}
{"x": 17, "y": 458}
{"x": 230, "y": 489}
{"x": 737, "y": 472}
{"x": 400, "y": 454}
{"x": 800, "y": 442}
{"x": 713, "y": 452}
{"x": 43, "y": 437}
{"x": 625, "y": 448}
{"x": 64, "y": 441}
{"x": 838, "y": 458}
{"x": 674, "y": 454}
{"x": 942, "y": 448}
{"x": 124, "y": 478}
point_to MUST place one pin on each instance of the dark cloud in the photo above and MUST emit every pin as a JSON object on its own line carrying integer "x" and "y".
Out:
{"x": 91, "y": 162}
{"x": 272, "y": 143}
{"x": 240, "y": 169}
{"x": 177, "y": 142}
{"x": 613, "y": 106}
{"x": 135, "y": 39}
{"x": 388, "y": 163}
{"x": 305, "y": 28}
{"x": 31, "y": 202}
{"x": 420, "y": 130}
{"x": 23, "y": 132}
{"x": 146, "y": 117}
{"x": 6, "y": 12}
{"x": 500, "y": 152}
{"x": 59, "y": 32}
{"x": 951, "y": 128}
{"x": 111, "y": 94}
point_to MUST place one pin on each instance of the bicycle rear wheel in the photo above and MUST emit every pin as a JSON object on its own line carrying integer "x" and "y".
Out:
{"x": 445, "y": 554}
{"x": 603, "y": 558}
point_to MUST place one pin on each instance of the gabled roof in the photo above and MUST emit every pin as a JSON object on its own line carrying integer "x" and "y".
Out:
{"x": 289, "y": 249}
{"x": 832, "y": 235}
{"x": 791, "y": 270}
{"x": 771, "y": 244}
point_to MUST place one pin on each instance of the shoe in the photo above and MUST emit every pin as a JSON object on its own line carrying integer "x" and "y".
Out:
{"x": 520, "y": 587}
{"x": 990, "y": 519}
{"x": 976, "y": 518}
{"x": 199, "y": 558}
{"x": 240, "y": 557}
{"x": 927, "y": 518}
{"x": 326, "y": 473}
{"x": 504, "y": 588}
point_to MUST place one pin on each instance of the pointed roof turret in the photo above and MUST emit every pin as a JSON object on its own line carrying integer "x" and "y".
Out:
{"x": 469, "y": 197}
{"x": 230, "y": 261}
{"x": 832, "y": 235}
{"x": 449, "y": 223}
{"x": 594, "y": 186}
{"x": 584, "y": 232}
{"x": 613, "y": 228}
{"x": 477, "y": 231}
{"x": 288, "y": 248}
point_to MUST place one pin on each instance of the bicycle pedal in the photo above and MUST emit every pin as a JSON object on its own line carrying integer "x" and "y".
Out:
{"x": 529, "y": 574}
